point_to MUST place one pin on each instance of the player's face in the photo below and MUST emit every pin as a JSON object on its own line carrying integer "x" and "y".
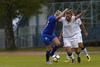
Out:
{"x": 68, "y": 17}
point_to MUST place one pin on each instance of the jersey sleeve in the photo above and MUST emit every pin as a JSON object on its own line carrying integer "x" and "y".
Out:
{"x": 73, "y": 18}
{"x": 61, "y": 19}
{"x": 53, "y": 19}
{"x": 79, "y": 21}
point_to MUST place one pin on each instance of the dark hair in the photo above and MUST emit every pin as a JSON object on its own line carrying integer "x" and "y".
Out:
{"x": 68, "y": 12}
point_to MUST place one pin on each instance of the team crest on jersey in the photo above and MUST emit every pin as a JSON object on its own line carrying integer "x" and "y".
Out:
{"x": 48, "y": 21}
{"x": 46, "y": 38}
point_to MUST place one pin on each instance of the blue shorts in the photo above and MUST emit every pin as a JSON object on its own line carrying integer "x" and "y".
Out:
{"x": 47, "y": 38}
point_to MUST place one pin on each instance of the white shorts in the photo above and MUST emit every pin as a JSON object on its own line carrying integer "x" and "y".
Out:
{"x": 72, "y": 42}
{"x": 79, "y": 37}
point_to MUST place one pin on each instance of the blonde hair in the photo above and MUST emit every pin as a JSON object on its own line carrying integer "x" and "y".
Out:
{"x": 57, "y": 12}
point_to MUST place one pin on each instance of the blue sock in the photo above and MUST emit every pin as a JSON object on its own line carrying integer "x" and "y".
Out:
{"x": 54, "y": 49}
{"x": 47, "y": 55}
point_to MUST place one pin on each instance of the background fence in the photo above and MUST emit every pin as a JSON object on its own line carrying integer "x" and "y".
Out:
{"x": 23, "y": 39}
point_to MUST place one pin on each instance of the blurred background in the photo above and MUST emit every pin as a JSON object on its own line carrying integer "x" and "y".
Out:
{"x": 27, "y": 30}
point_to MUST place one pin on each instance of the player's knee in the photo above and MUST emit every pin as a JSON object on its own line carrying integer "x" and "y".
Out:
{"x": 58, "y": 44}
{"x": 83, "y": 48}
{"x": 49, "y": 49}
{"x": 69, "y": 52}
{"x": 81, "y": 45}
{"x": 78, "y": 52}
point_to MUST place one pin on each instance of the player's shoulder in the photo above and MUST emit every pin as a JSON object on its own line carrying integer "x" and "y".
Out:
{"x": 51, "y": 16}
{"x": 62, "y": 18}
{"x": 73, "y": 17}
{"x": 78, "y": 19}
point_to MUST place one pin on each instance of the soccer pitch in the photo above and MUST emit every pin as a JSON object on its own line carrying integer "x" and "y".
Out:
{"x": 39, "y": 61}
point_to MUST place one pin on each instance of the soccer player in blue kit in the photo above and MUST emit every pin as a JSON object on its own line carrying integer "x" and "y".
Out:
{"x": 48, "y": 34}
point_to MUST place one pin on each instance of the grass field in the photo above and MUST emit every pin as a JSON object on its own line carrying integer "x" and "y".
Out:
{"x": 39, "y": 61}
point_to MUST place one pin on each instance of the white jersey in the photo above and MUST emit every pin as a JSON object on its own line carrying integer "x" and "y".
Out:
{"x": 77, "y": 24}
{"x": 68, "y": 27}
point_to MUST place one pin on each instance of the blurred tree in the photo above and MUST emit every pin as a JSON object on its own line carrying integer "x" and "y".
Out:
{"x": 67, "y": 0}
{"x": 10, "y": 9}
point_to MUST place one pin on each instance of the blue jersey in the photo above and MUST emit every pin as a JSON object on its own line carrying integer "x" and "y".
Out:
{"x": 51, "y": 24}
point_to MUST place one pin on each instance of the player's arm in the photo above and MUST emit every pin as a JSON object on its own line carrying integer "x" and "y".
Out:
{"x": 79, "y": 15}
{"x": 58, "y": 17}
{"x": 83, "y": 27}
{"x": 60, "y": 34}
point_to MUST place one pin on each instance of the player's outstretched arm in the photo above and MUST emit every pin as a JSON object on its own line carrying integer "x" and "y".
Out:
{"x": 83, "y": 27}
{"x": 78, "y": 16}
{"x": 58, "y": 17}
{"x": 60, "y": 35}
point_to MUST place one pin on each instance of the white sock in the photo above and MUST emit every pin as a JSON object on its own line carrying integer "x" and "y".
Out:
{"x": 68, "y": 57}
{"x": 78, "y": 55}
{"x": 85, "y": 52}
{"x": 71, "y": 56}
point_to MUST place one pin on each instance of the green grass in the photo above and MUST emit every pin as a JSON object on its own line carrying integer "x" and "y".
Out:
{"x": 39, "y": 61}
{"x": 44, "y": 49}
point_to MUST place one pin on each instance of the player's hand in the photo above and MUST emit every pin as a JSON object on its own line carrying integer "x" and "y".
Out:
{"x": 86, "y": 34}
{"x": 66, "y": 9}
{"x": 59, "y": 38}
{"x": 46, "y": 22}
{"x": 83, "y": 12}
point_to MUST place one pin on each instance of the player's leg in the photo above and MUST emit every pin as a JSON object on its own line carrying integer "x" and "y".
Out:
{"x": 48, "y": 54}
{"x": 46, "y": 41}
{"x": 48, "y": 47}
{"x": 80, "y": 43}
{"x": 68, "y": 58}
{"x": 55, "y": 40}
{"x": 76, "y": 49}
{"x": 84, "y": 50}
{"x": 56, "y": 46}
{"x": 69, "y": 52}
{"x": 67, "y": 45}
{"x": 78, "y": 54}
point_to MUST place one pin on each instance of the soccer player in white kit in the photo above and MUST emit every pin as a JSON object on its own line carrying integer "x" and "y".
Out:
{"x": 77, "y": 29}
{"x": 69, "y": 35}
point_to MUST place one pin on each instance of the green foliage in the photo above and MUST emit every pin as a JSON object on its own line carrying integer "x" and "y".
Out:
{"x": 25, "y": 7}
{"x": 66, "y": 0}
{"x": 1, "y": 23}
{"x": 10, "y": 9}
